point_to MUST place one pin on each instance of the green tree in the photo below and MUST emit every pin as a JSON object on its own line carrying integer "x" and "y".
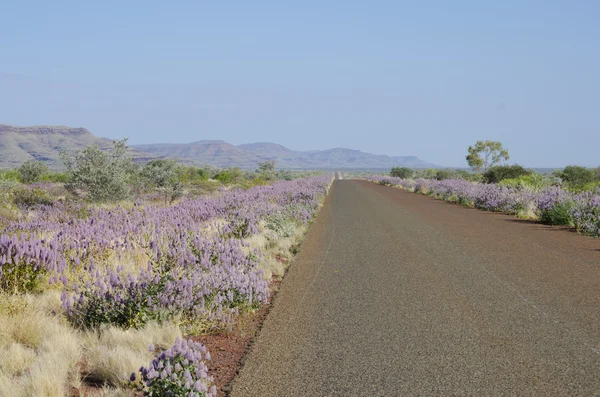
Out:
{"x": 32, "y": 171}
{"x": 401, "y": 172}
{"x": 486, "y": 154}
{"x": 98, "y": 175}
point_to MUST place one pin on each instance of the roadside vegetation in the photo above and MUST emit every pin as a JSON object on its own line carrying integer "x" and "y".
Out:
{"x": 567, "y": 197}
{"x": 107, "y": 269}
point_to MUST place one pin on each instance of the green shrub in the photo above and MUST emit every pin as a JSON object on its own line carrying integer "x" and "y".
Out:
{"x": 98, "y": 175}
{"x": 55, "y": 177}
{"x": 164, "y": 176}
{"x": 281, "y": 225}
{"x": 401, "y": 172}
{"x": 230, "y": 176}
{"x": 32, "y": 171}
{"x": 468, "y": 175}
{"x": 443, "y": 174}
{"x": 532, "y": 181}
{"x": 576, "y": 177}
{"x": 559, "y": 214}
{"x": 498, "y": 173}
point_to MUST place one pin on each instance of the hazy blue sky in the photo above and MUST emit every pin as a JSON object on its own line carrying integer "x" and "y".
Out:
{"x": 424, "y": 78}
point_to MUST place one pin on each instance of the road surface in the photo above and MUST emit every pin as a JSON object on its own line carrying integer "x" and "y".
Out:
{"x": 398, "y": 294}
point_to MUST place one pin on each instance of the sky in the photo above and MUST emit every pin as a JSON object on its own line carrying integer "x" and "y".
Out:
{"x": 426, "y": 78}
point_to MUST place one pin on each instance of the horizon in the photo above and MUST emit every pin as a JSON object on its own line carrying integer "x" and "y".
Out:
{"x": 392, "y": 79}
{"x": 466, "y": 167}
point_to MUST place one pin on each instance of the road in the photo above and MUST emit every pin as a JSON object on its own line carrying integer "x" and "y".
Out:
{"x": 398, "y": 294}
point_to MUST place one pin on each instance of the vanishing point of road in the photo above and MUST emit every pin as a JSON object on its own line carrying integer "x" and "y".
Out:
{"x": 398, "y": 294}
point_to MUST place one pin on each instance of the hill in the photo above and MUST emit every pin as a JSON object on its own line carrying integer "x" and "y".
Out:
{"x": 44, "y": 143}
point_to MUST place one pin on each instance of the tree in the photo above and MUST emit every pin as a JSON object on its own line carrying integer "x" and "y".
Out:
{"x": 165, "y": 176}
{"x": 401, "y": 172}
{"x": 499, "y": 173}
{"x": 31, "y": 171}
{"x": 266, "y": 170}
{"x": 486, "y": 154}
{"x": 99, "y": 175}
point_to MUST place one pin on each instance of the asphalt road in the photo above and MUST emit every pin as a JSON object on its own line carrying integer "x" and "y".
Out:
{"x": 398, "y": 294}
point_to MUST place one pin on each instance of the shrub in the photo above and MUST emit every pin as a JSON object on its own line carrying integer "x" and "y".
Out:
{"x": 31, "y": 171}
{"x": 280, "y": 224}
{"x": 180, "y": 371}
{"x": 585, "y": 213}
{"x": 401, "y": 172}
{"x": 164, "y": 175}
{"x": 576, "y": 177}
{"x": 31, "y": 197}
{"x": 532, "y": 181}
{"x": 441, "y": 175}
{"x": 99, "y": 175}
{"x": 230, "y": 176}
{"x": 266, "y": 170}
{"x": 498, "y": 173}
{"x": 56, "y": 177}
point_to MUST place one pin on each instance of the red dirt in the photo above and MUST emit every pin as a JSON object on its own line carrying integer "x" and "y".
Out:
{"x": 229, "y": 349}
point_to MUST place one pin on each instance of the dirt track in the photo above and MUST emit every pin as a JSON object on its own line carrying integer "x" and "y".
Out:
{"x": 398, "y": 294}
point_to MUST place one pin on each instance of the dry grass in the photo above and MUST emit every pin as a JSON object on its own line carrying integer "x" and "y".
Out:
{"x": 38, "y": 351}
{"x": 275, "y": 251}
{"x": 112, "y": 353}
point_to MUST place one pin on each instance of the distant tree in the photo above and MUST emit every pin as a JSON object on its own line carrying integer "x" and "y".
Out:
{"x": 576, "y": 176}
{"x": 100, "y": 175}
{"x": 486, "y": 154}
{"x": 401, "y": 172}
{"x": 266, "y": 170}
{"x": 499, "y": 173}
{"x": 164, "y": 176}
{"x": 32, "y": 171}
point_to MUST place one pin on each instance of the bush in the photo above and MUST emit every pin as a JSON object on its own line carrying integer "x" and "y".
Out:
{"x": 401, "y": 172}
{"x": 164, "y": 176}
{"x": 576, "y": 177}
{"x": 532, "y": 181}
{"x": 31, "y": 197}
{"x": 31, "y": 171}
{"x": 498, "y": 173}
{"x": 230, "y": 176}
{"x": 444, "y": 174}
{"x": 180, "y": 371}
{"x": 98, "y": 175}
{"x": 56, "y": 177}
{"x": 280, "y": 224}
{"x": 559, "y": 214}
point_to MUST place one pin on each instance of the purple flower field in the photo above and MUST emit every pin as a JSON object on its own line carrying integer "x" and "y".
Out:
{"x": 552, "y": 204}
{"x": 189, "y": 258}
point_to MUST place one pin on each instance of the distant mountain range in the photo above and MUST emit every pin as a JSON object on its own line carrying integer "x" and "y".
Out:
{"x": 224, "y": 154}
{"x": 44, "y": 143}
